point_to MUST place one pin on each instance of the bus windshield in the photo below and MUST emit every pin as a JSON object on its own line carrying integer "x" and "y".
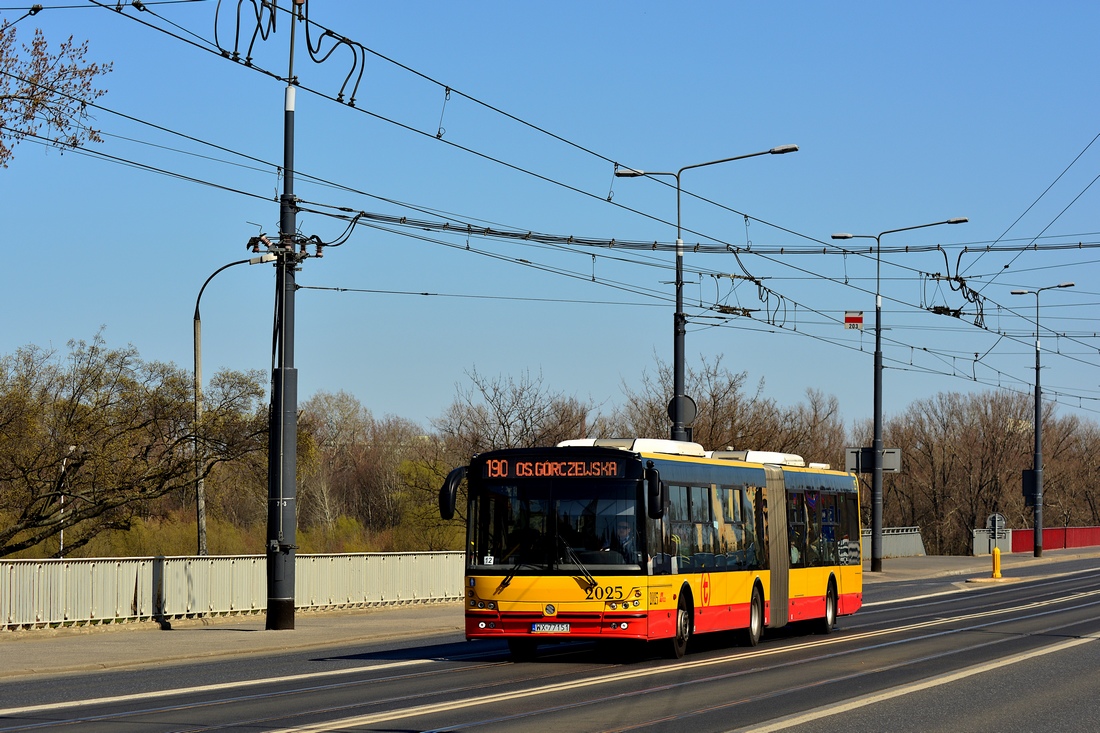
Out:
{"x": 555, "y": 527}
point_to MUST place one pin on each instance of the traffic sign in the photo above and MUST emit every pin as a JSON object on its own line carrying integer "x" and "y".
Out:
{"x": 862, "y": 460}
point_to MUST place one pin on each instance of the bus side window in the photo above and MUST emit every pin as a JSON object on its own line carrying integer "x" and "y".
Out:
{"x": 704, "y": 529}
{"x": 679, "y": 524}
{"x": 829, "y": 551}
{"x": 848, "y": 544}
{"x": 796, "y": 529}
{"x": 751, "y": 511}
{"x": 813, "y": 528}
{"x": 737, "y": 530}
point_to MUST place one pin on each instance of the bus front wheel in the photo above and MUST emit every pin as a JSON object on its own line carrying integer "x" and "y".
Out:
{"x": 677, "y": 645}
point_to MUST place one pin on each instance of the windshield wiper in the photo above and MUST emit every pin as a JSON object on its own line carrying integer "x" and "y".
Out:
{"x": 576, "y": 559}
{"x": 508, "y": 578}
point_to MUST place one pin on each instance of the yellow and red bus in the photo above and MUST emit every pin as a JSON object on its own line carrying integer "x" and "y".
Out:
{"x": 646, "y": 539}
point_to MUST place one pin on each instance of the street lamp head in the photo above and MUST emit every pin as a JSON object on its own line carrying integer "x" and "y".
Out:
{"x": 958, "y": 220}
{"x": 628, "y": 173}
{"x": 843, "y": 235}
{"x": 1037, "y": 290}
{"x": 779, "y": 150}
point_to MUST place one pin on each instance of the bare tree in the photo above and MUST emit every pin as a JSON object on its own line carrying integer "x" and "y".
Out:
{"x": 729, "y": 417}
{"x": 963, "y": 458}
{"x": 334, "y": 430}
{"x": 489, "y": 414}
{"x": 355, "y": 475}
{"x": 510, "y": 413}
{"x": 45, "y": 91}
{"x": 814, "y": 429}
{"x": 1066, "y": 488}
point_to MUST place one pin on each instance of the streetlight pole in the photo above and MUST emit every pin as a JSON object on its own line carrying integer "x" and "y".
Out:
{"x": 678, "y": 409}
{"x": 876, "y": 445}
{"x": 200, "y": 488}
{"x": 61, "y": 490}
{"x": 1037, "y": 461}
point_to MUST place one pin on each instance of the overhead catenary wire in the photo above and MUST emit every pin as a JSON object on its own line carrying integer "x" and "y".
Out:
{"x": 946, "y": 359}
{"x": 783, "y": 253}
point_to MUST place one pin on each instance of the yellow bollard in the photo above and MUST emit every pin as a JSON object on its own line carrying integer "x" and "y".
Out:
{"x": 996, "y": 562}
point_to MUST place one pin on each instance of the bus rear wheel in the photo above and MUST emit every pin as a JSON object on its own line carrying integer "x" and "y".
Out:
{"x": 825, "y": 625}
{"x": 677, "y": 645}
{"x": 751, "y": 635}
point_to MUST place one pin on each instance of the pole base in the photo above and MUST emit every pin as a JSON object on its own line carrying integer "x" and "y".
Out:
{"x": 280, "y": 614}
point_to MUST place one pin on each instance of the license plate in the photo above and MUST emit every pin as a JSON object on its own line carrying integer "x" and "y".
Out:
{"x": 549, "y": 628}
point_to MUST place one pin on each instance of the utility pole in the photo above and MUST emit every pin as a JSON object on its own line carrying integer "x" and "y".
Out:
{"x": 282, "y": 457}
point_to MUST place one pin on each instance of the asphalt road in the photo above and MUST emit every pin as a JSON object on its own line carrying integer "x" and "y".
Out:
{"x": 939, "y": 645}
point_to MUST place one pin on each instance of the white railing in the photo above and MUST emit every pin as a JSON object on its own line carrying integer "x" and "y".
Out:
{"x": 44, "y": 593}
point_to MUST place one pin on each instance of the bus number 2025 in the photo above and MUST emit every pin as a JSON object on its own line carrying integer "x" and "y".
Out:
{"x": 604, "y": 593}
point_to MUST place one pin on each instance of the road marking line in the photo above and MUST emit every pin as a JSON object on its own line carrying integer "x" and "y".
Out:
{"x": 207, "y": 688}
{"x": 876, "y": 697}
{"x": 395, "y": 714}
{"x": 433, "y": 708}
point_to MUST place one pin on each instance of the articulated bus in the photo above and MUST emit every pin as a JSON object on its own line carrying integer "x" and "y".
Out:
{"x": 646, "y": 540}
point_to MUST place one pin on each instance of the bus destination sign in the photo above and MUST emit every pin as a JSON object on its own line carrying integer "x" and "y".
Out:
{"x": 552, "y": 468}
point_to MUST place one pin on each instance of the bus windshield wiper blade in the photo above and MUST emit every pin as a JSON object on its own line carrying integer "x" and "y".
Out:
{"x": 508, "y": 578}
{"x": 576, "y": 559}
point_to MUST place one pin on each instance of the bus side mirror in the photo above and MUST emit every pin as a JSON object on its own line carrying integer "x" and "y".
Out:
{"x": 656, "y": 493}
{"x": 448, "y": 493}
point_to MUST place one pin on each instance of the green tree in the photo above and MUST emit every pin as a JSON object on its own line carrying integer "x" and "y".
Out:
{"x": 90, "y": 440}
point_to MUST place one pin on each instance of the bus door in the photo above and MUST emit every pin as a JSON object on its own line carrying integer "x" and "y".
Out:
{"x": 779, "y": 559}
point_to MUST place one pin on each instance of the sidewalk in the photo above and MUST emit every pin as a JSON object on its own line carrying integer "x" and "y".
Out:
{"x": 49, "y": 652}
{"x": 966, "y": 566}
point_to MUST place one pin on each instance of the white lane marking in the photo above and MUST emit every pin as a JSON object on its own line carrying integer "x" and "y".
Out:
{"x": 910, "y": 599}
{"x": 208, "y": 688}
{"x": 961, "y": 586}
{"x": 594, "y": 681}
{"x": 876, "y": 697}
{"x": 432, "y": 708}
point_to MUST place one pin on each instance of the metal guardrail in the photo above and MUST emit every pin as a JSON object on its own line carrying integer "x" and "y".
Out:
{"x": 896, "y": 542}
{"x": 982, "y": 541}
{"x": 43, "y": 593}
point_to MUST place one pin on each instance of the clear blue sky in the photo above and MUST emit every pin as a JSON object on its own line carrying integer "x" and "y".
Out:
{"x": 904, "y": 114}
